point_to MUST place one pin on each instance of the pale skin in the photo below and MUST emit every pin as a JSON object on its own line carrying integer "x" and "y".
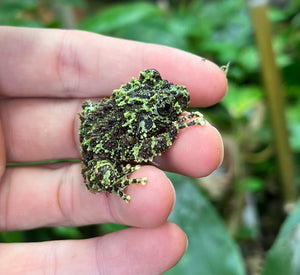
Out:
{"x": 45, "y": 75}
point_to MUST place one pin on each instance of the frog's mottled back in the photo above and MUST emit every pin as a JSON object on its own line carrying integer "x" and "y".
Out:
{"x": 139, "y": 122}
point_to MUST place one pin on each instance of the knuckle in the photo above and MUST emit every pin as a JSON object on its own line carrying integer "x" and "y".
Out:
{"x": 65, "y": 195}
{"x": 68, "y": 64}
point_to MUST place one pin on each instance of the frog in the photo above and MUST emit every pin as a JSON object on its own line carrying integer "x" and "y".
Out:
{"x": 139, "y": 122}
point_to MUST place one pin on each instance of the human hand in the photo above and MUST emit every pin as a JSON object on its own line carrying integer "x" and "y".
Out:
{"x": 45, "y": 75}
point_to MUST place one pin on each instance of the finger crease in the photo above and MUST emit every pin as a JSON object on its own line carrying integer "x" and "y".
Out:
{"x": 68, "y": 65}
{"x": 65, "y": 197}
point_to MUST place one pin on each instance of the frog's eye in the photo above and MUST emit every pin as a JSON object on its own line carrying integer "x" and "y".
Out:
{"x": 164, "y": 107}
{"x": 183, "y": 100}
{"x": 167, "y": 107}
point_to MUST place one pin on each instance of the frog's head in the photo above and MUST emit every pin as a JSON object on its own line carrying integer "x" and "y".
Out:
{"x": 172, "y": 102}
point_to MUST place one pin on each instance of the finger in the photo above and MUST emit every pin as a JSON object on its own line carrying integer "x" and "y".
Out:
{"x": 60, "y": 63}
{"x": 40, "y": 129}
{"x": 41, "y": 196}
{"x": 130, "y": 251}
{"x": 43, "y": 129}
{"x": 196, "y": 152}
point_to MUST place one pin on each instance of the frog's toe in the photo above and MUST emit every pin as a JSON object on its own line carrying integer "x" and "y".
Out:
{"x": 124, "y": 196}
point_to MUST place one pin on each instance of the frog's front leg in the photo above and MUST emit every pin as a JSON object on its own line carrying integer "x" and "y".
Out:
{"x": 155, "y": 145}
{"x": 193, "y": 118}
{"x": 123, "y": 182}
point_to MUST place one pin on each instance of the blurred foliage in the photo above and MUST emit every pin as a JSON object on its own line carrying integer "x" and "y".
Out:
{"x": 283, "y": 258}
{"x": 244, "y": 193}
{"x": 208, "y": 238}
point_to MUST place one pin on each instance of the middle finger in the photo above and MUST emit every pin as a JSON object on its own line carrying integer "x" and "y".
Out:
{"x": 47, "y": 129}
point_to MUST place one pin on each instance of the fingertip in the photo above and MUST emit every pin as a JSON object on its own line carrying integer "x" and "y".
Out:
{"x": 205, "y": 149}
{"x": 179, "y": 238}
{"x": 150, "y": 204}
{"x": 205, "y": 80}
{"x": 197, "y": 152}
{"x": 163, "y": 245}
{"x": 211, "y": 86}
{"x": 177, "y": 243}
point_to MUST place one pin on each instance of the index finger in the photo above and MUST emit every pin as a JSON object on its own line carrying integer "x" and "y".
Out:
{"x": 61, "y": 63}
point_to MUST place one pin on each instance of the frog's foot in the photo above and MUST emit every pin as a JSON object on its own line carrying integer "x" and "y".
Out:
{"x": 124, "y": 184}
{"x": 121, "y": 191}
{"x": 193, "y": 118}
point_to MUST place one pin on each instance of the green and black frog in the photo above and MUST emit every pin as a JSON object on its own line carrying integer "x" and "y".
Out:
{"x": 137, "y": 123}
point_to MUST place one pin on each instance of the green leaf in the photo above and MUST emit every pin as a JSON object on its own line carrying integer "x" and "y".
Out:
{"x": 293, "y": 117}
{"x": 18, "y": 5}
{"x": 252, "y": 184}
{"x": 11, "y": 10}
{"x": 119, "y": 16}
{"x": 12, "y": 237}
{"x": 294, "y": 136}
{"x": 283, "y": 257}
{"x": 291, "y": 222}
{"x": 78, "y": 3}
{"x": 239, "y": 100}
{"x": 153, "y": 30}
{"x": 67, "y": 232}
{"x": 248, "y": 58}
{"x": 112, "y": 227}
{"x": 210, "y": 250}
